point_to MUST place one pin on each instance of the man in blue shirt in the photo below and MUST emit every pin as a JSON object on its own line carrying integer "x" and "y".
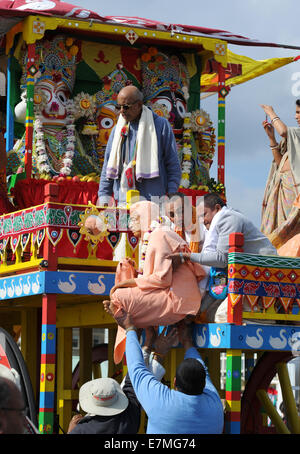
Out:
{"x": 192, "y": 407}
{"x": 159, "y": 172}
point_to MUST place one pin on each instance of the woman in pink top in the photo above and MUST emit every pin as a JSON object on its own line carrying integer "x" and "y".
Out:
{"x": 160, "y": 295}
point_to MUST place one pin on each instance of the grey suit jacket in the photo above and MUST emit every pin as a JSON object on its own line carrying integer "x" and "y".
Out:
{"x": 255, "y": 242}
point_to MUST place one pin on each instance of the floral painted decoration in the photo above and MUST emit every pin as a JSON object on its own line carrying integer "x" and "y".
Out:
{"x": 84, "y": 105}
{"x": 200, "y": 120}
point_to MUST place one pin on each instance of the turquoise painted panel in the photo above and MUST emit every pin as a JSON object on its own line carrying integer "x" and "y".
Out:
{"x": 79, "y": 283}
{"x": 22, "y": 285}
{"x": 252, "y": 336}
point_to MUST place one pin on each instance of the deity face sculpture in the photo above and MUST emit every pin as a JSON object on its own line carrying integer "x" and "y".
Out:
{"x": 51, "y": 97}
{"x": 106, "y": 100}
{"x": 55, "y": 65}
{"x": 165, "y": 82}
{"x": 107, "y": 118}
{"x": 173, "y": 105}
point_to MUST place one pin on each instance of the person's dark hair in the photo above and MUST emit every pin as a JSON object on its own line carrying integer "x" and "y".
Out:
{"x": 190, "y": 377}
{"x": 298, "y": 102}
{"x": 213, "y": 199}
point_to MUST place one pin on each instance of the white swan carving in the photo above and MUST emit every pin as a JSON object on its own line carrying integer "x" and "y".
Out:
{"x": 278, "y": 342}
{"x": 215, "y": 339}
{"x": 201, "y": 338}
{"x": 36, "y": 285}
{"x": 11, "y": 289}
{"x": 255, "y": 341}
{"x": 27, "y": 286}
{"x": 67, "y": 286}
{"x": 96, "y": 288}
{"x": 3, "y": 290}
{"x": 19, "y": 288}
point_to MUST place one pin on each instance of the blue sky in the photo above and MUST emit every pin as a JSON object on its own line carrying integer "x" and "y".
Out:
{"x": 248, "y": 156}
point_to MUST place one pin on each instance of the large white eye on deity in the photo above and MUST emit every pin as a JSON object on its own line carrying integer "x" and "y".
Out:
{"x": 181, "y": 107}
{"x": 163, "y": 102}
{"x": 62, "y": 96}
{"x": 107, "y": 123}
{"x": 20, "y": 109}
{"x": 172, "y": 103}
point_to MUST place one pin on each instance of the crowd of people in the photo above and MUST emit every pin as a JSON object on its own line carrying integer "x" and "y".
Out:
{"x": 181, "y": 247}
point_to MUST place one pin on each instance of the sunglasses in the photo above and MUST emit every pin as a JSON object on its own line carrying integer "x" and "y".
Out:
{"x": 125, "y": 106}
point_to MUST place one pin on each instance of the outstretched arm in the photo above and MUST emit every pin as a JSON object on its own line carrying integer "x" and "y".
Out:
{"x": 147, "y": 388}
{"x": 278, "y": 124}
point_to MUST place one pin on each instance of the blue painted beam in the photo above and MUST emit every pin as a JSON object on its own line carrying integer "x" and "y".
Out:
{"x": 248, "y": 337}
{"x": 212, "y": 335}
{"x": 57, "y": 282}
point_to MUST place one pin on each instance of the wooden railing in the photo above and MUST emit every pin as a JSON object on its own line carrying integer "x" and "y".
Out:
{"x": 49, "y": 235}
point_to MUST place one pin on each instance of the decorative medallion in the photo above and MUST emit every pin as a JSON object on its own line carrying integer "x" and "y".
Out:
{"x": 132, "y": 36}
{"x": 93, "y": 225}
{"x": 220, "y": 49}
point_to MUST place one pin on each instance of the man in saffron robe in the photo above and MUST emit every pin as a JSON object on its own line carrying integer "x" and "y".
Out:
{"x": 160, "y": 295}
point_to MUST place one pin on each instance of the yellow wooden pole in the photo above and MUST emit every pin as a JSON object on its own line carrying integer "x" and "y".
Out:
{"x": 173, "y": 365}
{"x": 288, "y": 398}
{"x": 64, "y": 377}
{"x": 142, "y": 428}
{"x": 29, "y": 343}
{"x": 272, "y": 412}
{"x": 110, "y": 356}
{"x": 85, "y": 359}
{"x": 214, "y": 367}
{"x": 96, "y": 370}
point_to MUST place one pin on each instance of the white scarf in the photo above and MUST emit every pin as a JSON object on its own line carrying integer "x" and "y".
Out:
{"x": 146, "y": 148}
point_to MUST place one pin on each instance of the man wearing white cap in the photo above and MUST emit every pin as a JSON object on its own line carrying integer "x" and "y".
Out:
{"x": 112, "y": 408}
{"x": 109, "y": 410}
